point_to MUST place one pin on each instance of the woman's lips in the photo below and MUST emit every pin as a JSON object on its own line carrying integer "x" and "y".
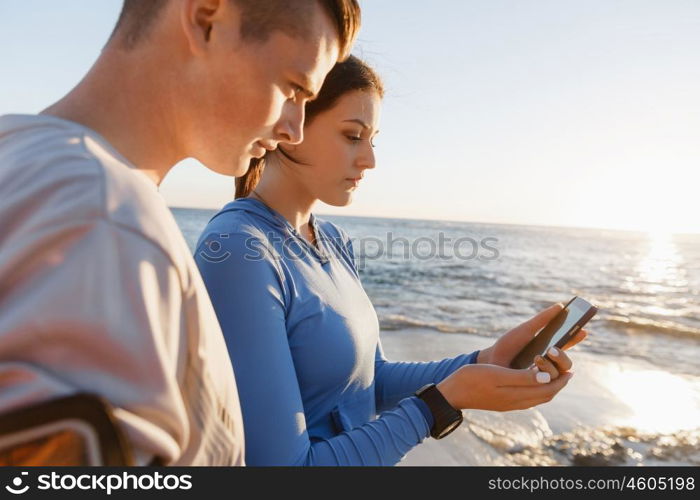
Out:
{"x": 355, "y": 180}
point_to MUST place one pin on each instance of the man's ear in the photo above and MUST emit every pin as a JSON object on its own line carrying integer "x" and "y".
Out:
{"x": 198, "y": 19}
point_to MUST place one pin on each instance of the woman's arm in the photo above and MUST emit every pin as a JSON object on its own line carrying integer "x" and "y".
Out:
{"x": 397, "y": 380}
{"x": 248, "y": 295}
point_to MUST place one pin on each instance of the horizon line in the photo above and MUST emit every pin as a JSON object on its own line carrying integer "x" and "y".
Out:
{"x": 520, "y": 224}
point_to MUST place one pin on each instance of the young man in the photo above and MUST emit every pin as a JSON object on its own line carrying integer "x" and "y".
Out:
{"x": 98, "y": 291}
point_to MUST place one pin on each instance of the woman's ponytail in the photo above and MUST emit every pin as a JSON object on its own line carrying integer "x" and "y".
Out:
{"x": 247, "y": 182}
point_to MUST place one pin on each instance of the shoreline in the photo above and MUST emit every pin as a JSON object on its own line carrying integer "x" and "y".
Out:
{"x": 616, "y": 410}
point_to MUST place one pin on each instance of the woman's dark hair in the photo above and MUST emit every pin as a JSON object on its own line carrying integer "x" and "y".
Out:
{"x": 346, "y": 76}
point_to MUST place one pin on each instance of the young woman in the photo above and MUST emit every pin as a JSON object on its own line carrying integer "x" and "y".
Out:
{"x": 314, "y": 384}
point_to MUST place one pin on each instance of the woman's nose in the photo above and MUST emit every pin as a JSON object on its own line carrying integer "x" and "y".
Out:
{"x": 367, "y": 159}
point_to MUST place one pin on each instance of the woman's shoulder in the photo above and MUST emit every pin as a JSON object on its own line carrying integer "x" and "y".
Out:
{"x": 339, "y": 238}
{"x": 333, "y": 231}
{"x": 238, "y": 222}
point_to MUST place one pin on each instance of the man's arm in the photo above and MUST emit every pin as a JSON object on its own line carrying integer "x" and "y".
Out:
{"x": 97, "y": 308}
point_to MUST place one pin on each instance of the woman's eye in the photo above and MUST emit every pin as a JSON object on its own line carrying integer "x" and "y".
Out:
{"x": 354, "y": 138}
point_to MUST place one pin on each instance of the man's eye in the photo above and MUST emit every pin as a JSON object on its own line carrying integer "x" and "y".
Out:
{"x": 354, "y": 138}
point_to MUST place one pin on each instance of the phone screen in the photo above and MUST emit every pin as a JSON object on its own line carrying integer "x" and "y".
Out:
{"x": 555, "y": 331}
{"x": 569, "y": 317}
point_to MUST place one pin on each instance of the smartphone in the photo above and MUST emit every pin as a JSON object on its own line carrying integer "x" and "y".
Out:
{"x": 557, "y": 332}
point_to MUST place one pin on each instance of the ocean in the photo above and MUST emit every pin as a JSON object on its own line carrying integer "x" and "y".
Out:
{"x": 453, "y": 284}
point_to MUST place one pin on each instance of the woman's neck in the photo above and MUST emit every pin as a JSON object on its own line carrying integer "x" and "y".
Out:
{"x": 280, "y": 191}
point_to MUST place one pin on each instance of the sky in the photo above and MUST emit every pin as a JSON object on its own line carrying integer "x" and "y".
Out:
{"x": 543, "y": 112}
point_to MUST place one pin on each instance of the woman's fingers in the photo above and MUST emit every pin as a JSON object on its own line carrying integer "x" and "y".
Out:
{"x": 508, "y": 377}
{"x": 578, "y": 337}
{"x": 526, "y": 397}
{"x": 530, "y": 327}
{"x": 492, "y": 387}
{"x": 554, "y": 363}
{"x": 543, "y": 370}
{"x": 546, "y": 366}
{"x": 520, "y": 398}
{"x": 559, "y": 359}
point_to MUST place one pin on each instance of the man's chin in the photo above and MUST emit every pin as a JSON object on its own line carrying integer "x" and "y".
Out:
{"x": 240, "y": 169}
{"x": 236, "y": 168}
{"x": 243, "y": 164}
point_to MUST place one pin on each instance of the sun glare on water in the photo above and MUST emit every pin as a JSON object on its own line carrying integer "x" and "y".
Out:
{"x": 658, "y": 401}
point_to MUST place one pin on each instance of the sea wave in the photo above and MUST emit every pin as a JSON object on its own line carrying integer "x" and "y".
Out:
{"x": 401, "y": 322}
{"x": 525, "y": 438}
{"x": 609, "y": 446}
{"x": 646, "y": 325}
{"x": 628, "y": 324}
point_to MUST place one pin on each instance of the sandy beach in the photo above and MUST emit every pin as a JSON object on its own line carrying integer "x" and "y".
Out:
{"x": 615, "y": 411}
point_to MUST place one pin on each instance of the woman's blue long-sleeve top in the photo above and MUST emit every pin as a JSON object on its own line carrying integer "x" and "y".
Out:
{"x": 304, "y": 342}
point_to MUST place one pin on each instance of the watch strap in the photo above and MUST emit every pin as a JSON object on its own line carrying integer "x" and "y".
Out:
{"x": 445, "y": 416}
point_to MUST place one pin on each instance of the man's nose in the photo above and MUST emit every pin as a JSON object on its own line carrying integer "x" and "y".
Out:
{"x": 290, "y": 127}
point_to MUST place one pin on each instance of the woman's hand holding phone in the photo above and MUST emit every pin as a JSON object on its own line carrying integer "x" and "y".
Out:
{"x": 492, "y": 385}
{"x": 509, "y": 345}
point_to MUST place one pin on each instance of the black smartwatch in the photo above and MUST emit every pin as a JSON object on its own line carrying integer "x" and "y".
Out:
{"x": 446, "y": 417}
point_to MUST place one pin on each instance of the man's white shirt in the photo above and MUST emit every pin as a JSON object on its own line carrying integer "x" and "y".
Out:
{"x": 99, "y": 293}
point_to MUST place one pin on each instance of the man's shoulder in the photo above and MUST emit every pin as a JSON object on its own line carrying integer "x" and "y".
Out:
{"x": 55, "y": 172}
{"x": 45, "y": 158}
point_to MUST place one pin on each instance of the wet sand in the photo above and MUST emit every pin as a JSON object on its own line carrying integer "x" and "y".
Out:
{"x": 615, "y": 411}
